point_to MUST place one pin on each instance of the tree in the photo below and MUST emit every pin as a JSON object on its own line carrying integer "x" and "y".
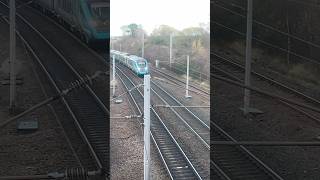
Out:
{"x": 164, "y": 30}
{"x": 130, "y": 29}
{"x": 125, "y": 30}
{"x": 194, "y": 31}
{"x": 133, "y": 28}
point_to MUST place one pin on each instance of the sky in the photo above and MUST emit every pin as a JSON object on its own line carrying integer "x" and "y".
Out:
{"x": 152, "y": 13}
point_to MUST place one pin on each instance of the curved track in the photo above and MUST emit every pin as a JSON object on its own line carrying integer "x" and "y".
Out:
{"x": 89, "y": 113}
{"x": 183, "y": 123}
{"x": 236, "y": 70}
{"x": 231, "y": 163}
{"x": 175, "y": 80}
{"x": 232, "y": 70}
{"x": 174, "y": 158}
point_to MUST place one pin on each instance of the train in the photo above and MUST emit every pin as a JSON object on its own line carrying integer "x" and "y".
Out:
{"x": 137, "y": 64}
{"x": 87, "y": 18}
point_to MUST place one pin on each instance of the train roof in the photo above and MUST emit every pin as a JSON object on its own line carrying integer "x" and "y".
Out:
{"x": 125, "y": 54}
{"x": 114, "y": 51}
{"x": 136, "y": 58}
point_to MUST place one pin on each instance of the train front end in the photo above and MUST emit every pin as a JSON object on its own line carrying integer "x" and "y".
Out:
{"x": 99, "y": 21}
{"x": 142, "y": 67}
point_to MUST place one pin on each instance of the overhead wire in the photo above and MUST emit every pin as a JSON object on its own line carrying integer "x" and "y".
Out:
{"x": 316, "y": 5}
{"x": 265, "y": 93}
{"x": 272, "y": 28}
{"x": 267, "y": 43}
{"x": 306, "y": 3}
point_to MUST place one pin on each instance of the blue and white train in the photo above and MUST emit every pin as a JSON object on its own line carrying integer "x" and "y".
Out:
{"x": 137, "y": 64}
{"x": 87, "y": 18}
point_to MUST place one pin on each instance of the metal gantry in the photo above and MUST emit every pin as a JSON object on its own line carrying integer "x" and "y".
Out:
{"x": 170, "y": 51}
{"x": 146, "y": 118}
{"x": 187, "y": 79}
{"x": 113, "y": 76}
{"x": 248, "y": 59}
{"x": 12, "y": 53}
{"x": 142, "y": 49}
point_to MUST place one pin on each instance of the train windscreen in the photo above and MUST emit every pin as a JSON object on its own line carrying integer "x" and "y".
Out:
{"x": 100, "y": 14}
{"x": 142, "y": 64}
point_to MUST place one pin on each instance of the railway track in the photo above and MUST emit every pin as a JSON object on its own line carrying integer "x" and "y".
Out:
{"x": 232, "y": 70}
{"x": 239, "y": 69}
{"x": 175, "y": 118}
{"x": 76, "y": 52}
{"x": 175, "y": 80}
{"x": 88, "y": 112}
{"x": 235, "y": 71}
{"x": 234, "y": 163}
{"x": 197, "y": 125}
{"x": 229, "y": 162}
{"x": 178, "y": 165}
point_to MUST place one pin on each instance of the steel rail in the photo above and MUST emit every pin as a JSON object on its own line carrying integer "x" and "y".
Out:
{"x": 172, "y": 78}
{"x": 219, "y": 171}
{"x": 98, "y": 101}
{"x": 225, "y": 73}
{"x": 28, "y": 47}
{"x": 168, "y": 106}
{"x": 69, "y": 174}
{"x": 56, "y": 116}
{"x": 66, "y": 62}
{"x": 179, "y": 86}
{"x": 238, "y": 162}
{"x": 204, "y": 141}
{"x": 167, "y": 130}
{"x": 172, "y": 139}
{"x": 265, "y": 143}
{"x": 224, "y": 135}
{"x": 64, "y": 101}
{"x": 265, "y": 93}
{"x": 98, "y": 56}
{"x": 261, "y": 164}
{"x": 154, "y": 140}
{"x": 219, "y": 133}
{"x": 180, "y": 104}
{"x": 140, "y": 112}
{"x": 60, "y": 55}
{"x": 296, "y": 92}
{"x": 314, "y": 118}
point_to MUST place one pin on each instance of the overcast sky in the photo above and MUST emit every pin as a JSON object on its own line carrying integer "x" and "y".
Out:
{"x": 152, "y": 13}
